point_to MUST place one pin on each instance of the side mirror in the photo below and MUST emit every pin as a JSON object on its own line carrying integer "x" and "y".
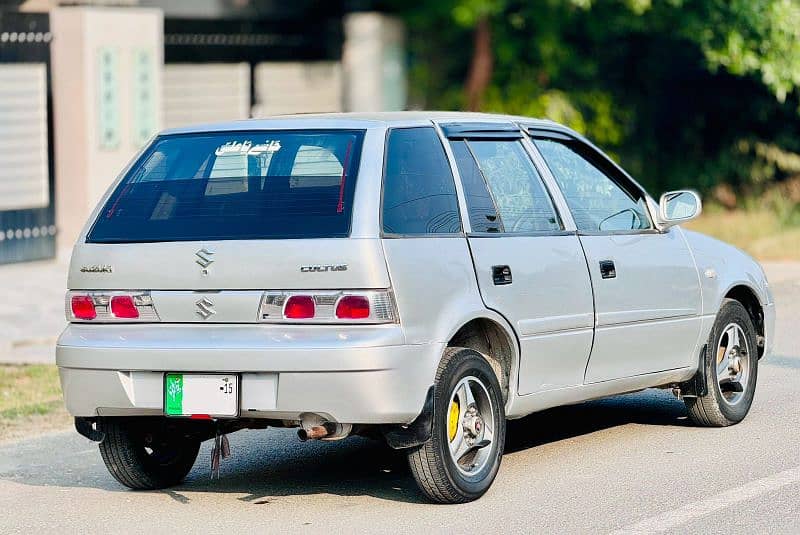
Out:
{"x": 676, "y": 207}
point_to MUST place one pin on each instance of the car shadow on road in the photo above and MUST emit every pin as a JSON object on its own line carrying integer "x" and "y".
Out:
{"x": 649, "y": 407}
{"x": 266, "y": 466}
{"x": 269, "y": 465}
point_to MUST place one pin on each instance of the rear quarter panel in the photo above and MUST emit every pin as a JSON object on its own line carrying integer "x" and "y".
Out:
{"x": 437, "y": 293}
{"x": 434, "y": 285}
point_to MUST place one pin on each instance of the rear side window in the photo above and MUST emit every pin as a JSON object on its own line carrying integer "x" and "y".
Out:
{"x": 419, "y": 195}
{"x": 238, "y": 185}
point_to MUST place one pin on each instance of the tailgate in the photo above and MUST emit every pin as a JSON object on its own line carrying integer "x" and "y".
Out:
{"x": 231, "y": 274}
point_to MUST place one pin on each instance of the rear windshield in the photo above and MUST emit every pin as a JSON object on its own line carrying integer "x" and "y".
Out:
{"x": 236, "y": 186}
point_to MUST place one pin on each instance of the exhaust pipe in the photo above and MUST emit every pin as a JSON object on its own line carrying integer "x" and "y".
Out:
{"x": 315, "y": 427}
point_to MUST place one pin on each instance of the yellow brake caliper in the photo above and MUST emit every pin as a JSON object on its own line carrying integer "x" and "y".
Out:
{"x": 452, "y": 420}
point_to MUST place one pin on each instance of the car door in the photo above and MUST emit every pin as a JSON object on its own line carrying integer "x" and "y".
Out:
{"x": 646, "y": 287}
{"x": 529, "y": 267}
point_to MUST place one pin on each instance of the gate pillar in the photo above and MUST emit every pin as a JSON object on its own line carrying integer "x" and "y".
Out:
{"x": 107, "y": 65}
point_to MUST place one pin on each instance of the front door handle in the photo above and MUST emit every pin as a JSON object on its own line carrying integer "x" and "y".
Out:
{"x": 501, "y": 275}
{"x": 607, "y": 269}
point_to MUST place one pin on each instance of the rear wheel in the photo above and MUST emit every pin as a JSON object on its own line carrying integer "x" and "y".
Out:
{"x": 731, "y": 369}
{"x": 146, "y": 453}
{"x": 461, "y": 458}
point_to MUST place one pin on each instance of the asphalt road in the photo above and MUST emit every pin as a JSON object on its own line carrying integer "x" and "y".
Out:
{"x": 626, "y": 464}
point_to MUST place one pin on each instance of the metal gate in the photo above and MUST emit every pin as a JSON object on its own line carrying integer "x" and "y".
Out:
{"x": 27, "y": 213}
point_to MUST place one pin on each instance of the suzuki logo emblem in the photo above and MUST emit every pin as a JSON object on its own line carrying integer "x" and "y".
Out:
{"x": 205, "y": 308}
{"x": 204, "y": 259}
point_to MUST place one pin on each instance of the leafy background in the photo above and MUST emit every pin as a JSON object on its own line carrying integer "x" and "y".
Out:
{"x": 683, "y": 93}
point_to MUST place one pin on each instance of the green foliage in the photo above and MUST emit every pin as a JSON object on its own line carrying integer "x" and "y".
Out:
{"x": 468, "y": 12}
{"x": 682, "y": 92}
{"x": 752, "y": 36}
{"x": 592, "y": 113}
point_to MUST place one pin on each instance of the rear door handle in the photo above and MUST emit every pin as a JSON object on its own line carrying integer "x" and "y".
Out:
{"x": 501, "y": 275}
{"x": 607, "y": 269}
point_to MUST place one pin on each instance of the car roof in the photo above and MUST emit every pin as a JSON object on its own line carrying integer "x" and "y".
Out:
{"x": 358, "y": 120}
{"x": 382, "y": 120}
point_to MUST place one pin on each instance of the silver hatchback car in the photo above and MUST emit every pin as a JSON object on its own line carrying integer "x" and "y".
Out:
{"x": 420, "y": 277}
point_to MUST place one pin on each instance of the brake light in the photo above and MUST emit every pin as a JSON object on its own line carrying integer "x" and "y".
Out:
{"x": 83, "y": 307}
{"x": 352, "y": 307}
{"x": 328, "y": 306}
{"x": 122, "y": 306}
{"x": 110, "y": 306}
{"x": 299, "y": 307}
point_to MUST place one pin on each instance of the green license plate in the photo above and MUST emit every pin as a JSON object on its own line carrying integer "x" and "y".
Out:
{"x": 193, "y": 394}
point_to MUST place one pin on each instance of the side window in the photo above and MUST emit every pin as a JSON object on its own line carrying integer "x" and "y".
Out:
{"x": 521, "y": 201}
{"x": 597, "y": 202}
{"x": 419, "y": 195}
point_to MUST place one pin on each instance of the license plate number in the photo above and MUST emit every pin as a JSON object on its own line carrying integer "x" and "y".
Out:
{"x": 191, "y": 394}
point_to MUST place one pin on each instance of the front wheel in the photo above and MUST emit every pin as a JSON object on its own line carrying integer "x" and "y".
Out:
{"x": 731, "y": 369}
{"x": 146, "y": 453}
{"x": 461, "y": 458}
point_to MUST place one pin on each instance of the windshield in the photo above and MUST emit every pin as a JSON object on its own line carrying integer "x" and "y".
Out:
{"x": 237, "y": 185}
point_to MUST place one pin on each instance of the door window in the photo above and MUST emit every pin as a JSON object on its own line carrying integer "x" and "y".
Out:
{"x": 483, "y": 215}
{"x": 419, "y": 195}
{"x": 598, "y": 202}
{"x": 504, "y": 191}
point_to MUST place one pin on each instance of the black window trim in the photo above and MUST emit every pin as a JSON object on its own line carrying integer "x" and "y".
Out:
{"x": 561, "y": 231}
{"x": 629, "y": 184}
{"x": 478, "y": 130}
{"x": 400, "y": 235}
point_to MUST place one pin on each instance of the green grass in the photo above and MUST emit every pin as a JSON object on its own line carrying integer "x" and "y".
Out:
{"x": 30, "y": 400}
{"x": 760, "y": 232}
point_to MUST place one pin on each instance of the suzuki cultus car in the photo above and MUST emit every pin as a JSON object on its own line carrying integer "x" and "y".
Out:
{"x": 419, "y": 277}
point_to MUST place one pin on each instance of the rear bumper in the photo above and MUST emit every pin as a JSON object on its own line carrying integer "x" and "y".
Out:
{"x": 363, "y": 374}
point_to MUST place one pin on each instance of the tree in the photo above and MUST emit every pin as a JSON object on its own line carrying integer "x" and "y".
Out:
{"x": 681, "y": 91}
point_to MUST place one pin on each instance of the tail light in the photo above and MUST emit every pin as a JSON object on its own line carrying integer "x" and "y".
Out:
{"x": 328, "y": 306}
{"x": 299, "y": 307}
{"x": 352, "y": 307}
{"x": 102, "y": 307}
{"x": 122, "y": 306}
{"x": 83, "y": 307}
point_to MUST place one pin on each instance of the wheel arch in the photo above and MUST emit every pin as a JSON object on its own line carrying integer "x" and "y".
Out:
{"x": 493, "y": 338}
{"x": 748, "y": 297}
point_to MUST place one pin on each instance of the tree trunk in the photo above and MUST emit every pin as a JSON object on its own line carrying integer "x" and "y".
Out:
{"x": 480, "y": 69}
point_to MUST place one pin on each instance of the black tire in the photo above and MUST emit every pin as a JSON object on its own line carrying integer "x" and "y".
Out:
{"x": 431, "y": 464}
{"x": 146, "y": 453}
{"x": 712, "y": 409}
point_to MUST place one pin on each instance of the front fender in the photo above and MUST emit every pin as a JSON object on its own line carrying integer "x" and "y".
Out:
{"x": 722, "y": 267}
